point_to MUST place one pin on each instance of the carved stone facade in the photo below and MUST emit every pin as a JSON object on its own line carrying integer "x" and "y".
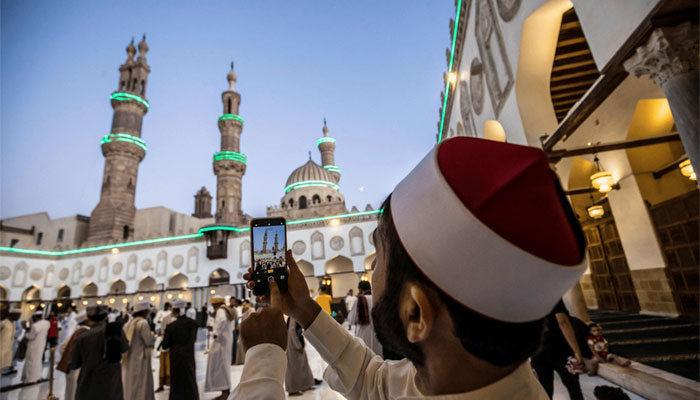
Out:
{"x": 112, "y": 219}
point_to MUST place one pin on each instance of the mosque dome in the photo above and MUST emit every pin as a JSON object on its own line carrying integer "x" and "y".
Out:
{"x": 310, "y": 172}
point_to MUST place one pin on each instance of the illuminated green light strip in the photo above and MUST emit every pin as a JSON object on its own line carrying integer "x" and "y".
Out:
{"x": 324, "y": 140}
{"x": 231, "y": 116}
{"x": 98, "y": 248}
{"x": 332, "y": 168}
{"x": 452, "y": 56}
{"x": 173, "y": 238}
{"x": 299, "y": 221}
{"x": 124, "y": 137}
{"x": 303, "y": 184}
{"x": 128, "y": 96}
{"x": 230, "y": 155}
{"x": 357, "y": 214}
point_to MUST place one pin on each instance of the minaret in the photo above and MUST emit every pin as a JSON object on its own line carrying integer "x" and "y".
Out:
{"x": 277, "y": 243}
{"x": 229, "y": 163}
{"x": 264, "y": 247}
{"x": 326, "y": 145}
{"x": 113, "y": 217}
{"x": 202, "y": 204}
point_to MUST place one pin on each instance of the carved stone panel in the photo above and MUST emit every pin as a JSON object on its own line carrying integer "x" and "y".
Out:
{"x": 318, "y": 251}
{"x": 507, "y": 9}
{"x": 337, "y": 243}
{"x": 19, "y": 277}
{"x": 492, "y": 50}
{"x": 49, "y": 276}
{"x": 103, "y": 270}
{"x": 193, "y": 259}
{"x": 131, "y": 267}
{"x": 4, "y": 273}
{"x": 63, "y": 275}
{"x": 162, "y": 263}
{"x": 299, "y": 247}
{"x": 178, "y": 260}
{"x": 476, "y": 83}
{"x": 36, "y": 274}
{"x": 465, "y": 127}
{"x": 117, "y": 268}
{"x": 89, "y": 271}
{"x": 245, "y": 254}
{"x": 357, "y": 245}
{"x": 146, "y": 265}
{"x": 77, "y": 273}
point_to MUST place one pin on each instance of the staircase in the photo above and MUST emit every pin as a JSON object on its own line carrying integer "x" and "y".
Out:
{"x": 668, "y": 344}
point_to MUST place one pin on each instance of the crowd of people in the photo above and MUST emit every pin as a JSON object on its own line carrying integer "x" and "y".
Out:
{"x": 109, "y": 353}
{"x": 262, "y": 264}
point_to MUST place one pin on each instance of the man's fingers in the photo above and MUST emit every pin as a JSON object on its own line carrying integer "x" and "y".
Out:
{"x": 292, "y": 264}
{"x": 275, "y": 296}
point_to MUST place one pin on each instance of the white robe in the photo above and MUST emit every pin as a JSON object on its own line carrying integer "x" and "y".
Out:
{"x": 7, "y": 337}
{"x": 137, "y": 375}
{"x": 357, "y": 373}
{"x": 219, "y": 363}
{"x": 191, "y": 313}
{"x": 35, "y": 349}
{"x": 365, "y": 332}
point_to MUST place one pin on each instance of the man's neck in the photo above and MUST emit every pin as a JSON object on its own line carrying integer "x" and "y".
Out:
{"x": 443, "y": 373}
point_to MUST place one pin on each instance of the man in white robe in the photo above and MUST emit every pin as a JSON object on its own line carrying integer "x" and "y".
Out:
{"x": 36, "y": 344}
{"x": 359, "y": 317}
{"x": 219, "y": 363}
{"x": 137, "y": 375}
{"x": 473, "y": 250}
{"x": 191, "y": 313}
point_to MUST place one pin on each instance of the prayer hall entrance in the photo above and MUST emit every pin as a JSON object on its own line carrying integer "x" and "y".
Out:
{"x": 610, "y": 273}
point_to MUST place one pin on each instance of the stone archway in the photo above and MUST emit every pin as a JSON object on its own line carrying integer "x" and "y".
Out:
{"x": 89, "y": 290}
{"x": 178, "y": 281}
{"x": 369, "y": 260}
{"x": 63, "y": 292}
{"x": 147, "y": 284}
{"x": 118, "y": 286}
{"x": 219, "y": 277}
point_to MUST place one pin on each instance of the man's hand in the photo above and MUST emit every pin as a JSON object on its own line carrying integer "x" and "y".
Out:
{"x": 267, "y": 324}
{"x": 296, "y": 302}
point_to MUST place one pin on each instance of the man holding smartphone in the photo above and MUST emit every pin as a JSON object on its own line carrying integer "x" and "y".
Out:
{"x": 465, "y": 301}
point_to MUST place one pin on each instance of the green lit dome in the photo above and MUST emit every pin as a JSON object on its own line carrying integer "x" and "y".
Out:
{"x": 310, "y": 172}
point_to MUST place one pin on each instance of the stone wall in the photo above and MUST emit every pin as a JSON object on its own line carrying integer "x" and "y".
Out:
{"x": 588, "y": 291}
{"x": 654, "y": 291}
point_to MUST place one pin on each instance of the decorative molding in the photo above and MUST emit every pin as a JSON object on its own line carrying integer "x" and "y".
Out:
{"x": 337, "y": 243}
{"x": 507, "y": 9}
{"x": 299, "y": 247}
{"x": 669, "y": 52}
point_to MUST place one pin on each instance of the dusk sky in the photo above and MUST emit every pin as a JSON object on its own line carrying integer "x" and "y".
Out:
{"x": 372, "y": 68}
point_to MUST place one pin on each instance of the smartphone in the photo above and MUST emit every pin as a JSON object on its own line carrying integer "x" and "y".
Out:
{"x": 269, "y": 238}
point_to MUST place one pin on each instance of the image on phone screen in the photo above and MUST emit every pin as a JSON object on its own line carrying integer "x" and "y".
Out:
{"x": 269, "y": 244}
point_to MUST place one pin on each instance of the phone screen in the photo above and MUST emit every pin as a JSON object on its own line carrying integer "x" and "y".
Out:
{"x": 269, "y": 237}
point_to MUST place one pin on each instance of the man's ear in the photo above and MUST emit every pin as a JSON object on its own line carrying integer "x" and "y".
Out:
{"x": 417, "y": 312}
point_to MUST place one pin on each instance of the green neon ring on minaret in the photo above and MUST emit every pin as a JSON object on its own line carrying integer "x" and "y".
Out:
{"x": 128, "y": 96}
{"x": 324, "y": 140}
{"x": 230, "y": 155}
{"x": 124, "y": 137}
{"x": 231, "y": 116}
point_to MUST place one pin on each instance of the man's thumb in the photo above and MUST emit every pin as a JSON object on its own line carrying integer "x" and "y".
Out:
{"x": 275, "y": 296}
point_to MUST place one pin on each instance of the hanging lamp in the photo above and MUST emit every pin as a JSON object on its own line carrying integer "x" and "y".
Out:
{"x": 687, "y": 170}
{"x": 602, "y": 180}
{"x": 595, "y": 211}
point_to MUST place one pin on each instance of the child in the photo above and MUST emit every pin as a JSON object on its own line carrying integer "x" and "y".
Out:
{"x": 599, "y": 349}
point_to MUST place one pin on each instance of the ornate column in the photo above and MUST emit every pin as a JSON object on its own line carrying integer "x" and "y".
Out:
{"x": 670, "y": 58}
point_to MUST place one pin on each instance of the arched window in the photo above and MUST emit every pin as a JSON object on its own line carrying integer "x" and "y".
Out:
{"x": 316, "y": 199}
{"x": 143, "y": 88}
{"x": 228, "y": 107}
{"x": 329, "y": 198}
{"x": 126, "y": 231}
{"x": 302, "y": 202}
{"x": 291, "y": 202}
{"x": 223, "y": 205}
{"x": 134, "y": 86}
{"x": 122, "y": 85}
{"x": 130, "y": 184}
